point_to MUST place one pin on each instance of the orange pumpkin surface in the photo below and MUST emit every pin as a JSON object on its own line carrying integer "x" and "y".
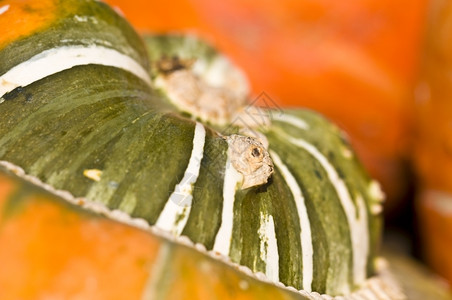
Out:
{"x": 56, "y": 250}
{"x": 353, "y": 61}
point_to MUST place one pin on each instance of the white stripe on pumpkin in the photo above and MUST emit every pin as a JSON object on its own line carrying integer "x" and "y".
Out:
{"x": 269, "y": 247}
{"x": 224, "y": 235}
{"x": 55, "y": 60}
{"x": 290, "y": 119}
{"x": 153, "y": 289}
{"x": 305, "y": 225}
{"x": 357, "y": 221}
{"x": 175, "y": 214}
{"x": 4, "y": 9}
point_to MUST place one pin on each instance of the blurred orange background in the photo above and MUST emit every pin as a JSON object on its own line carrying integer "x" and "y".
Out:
{"x": 356, "y": 62}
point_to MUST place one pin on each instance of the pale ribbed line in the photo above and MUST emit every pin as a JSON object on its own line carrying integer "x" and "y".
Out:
{"x": 224, "y": 235}
{"x": 175, "y": 214}
{"x": 153, "y": 286}
{"x": 305, "y": 225}
{"x": 4, "y": 8}
{"x": 269, "y": 247}
{"x": 367, "y": 294}
{"x": 55, "y": 60}
{"x": 292, "y": 120}
{"x": 376, "y": 287}
{"x": 357, "y": 223}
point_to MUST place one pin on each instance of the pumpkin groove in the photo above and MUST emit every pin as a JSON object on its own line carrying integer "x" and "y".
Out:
{"x": 150, "y": 154}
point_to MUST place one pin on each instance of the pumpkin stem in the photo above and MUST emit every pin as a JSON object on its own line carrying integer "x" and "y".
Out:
{"x": 250, "y": 158}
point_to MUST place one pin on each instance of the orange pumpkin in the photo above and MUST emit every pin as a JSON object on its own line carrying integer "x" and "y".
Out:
{"x": 72, "y": 253}
{"x": 354, "y": 62}
{"x": 57, "y": 250}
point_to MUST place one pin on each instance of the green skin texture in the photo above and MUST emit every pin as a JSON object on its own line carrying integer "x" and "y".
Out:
{"x": 99, "y": 117}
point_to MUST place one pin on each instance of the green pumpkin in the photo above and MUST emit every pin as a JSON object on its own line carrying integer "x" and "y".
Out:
{"x": 162, "y": 130}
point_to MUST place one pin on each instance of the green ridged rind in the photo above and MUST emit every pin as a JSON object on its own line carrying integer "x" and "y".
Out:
{"x": 331, "y": 142}
{"x": 203, "y": 222}
{"x": 103, "y": 27}
{"x": 114, "y": 127}
{"x": 276, "y": 200}
{"x": 120, "y": 132}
